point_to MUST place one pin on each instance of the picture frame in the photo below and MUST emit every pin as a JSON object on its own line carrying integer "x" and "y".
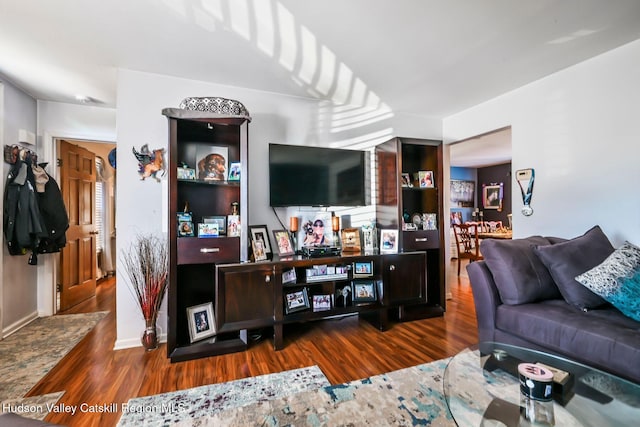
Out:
{"x": 350, "y": 238}
{"x": 363, "y": 291}
{"x": 202, "y": 323}
{"x": 260, "y": 233}
{"x": 492, "y": 196}
{"x": 186, "y": 173}
{"x": 185, "y": 225}
{"x": 321, "y": 302}
{"x": 220, "y": 220}
{"x": 296, "y": 301}
{"x": 208, "y": 229}
{"x": 315, "y": 229}
{"x": 429, "y": 221}
{"x": 425, "y": 178}
{"x": 259, "y": 253}
{"x": 289, "y": 276}
{"x": 363, "y": 269}
{"x": 283, "y": 242}
{"x": 212, "y": 162}
{"x": 233, "y": 226}
{"x": 462, "y": 193}
{"x": 389, "y": 241}
{"x": 234, "y": 171}
{"x": 405, "y": 180}
{"x": 369, "y": 238}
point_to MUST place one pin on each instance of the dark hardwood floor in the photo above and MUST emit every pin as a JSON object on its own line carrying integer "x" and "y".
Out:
{"x": 345, "y": 349}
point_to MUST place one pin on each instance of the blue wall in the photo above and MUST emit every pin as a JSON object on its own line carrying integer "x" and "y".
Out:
{"x": 465, "y": 174}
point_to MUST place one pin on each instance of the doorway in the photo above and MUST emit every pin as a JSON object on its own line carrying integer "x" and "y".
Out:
{"x": 88, "y": 183}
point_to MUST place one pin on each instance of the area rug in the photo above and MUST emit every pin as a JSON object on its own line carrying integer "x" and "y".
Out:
{"x": 407, "y": 397}
{"x": 193, "y": 403}
{"x": 30, "y": 353}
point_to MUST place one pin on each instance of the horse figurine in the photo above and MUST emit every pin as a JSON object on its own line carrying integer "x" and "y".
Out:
{"x": 150, "y": 163}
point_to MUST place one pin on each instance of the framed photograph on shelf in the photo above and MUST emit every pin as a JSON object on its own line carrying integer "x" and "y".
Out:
{"x": 234, "y": 171}
{"x": 186, "y": 173}
{"x": 429, "y": 221}
{"x": 202, "y": 324}
{"x": 259, "y": 254}
{"x": 185, "y": 225}
{"x": 289, "y": 276}
{"x": 285, "y": 248}
{"x": 492, "y": 196}
{"x": 219, "y": 220}
{"x": 259, "y": 233}
{"x": 208, "y": 230}
{"x": 233, "y": 225}
{"x": 321, "y": 302}
{"x": 425, "y": 178}
{"x": 315, "y": 229}
{"x": 406, "y": 180}
{"x": 364, "y": 291}
{"x": 389, "y": 241}
{"x": 296, "y": 301}
{"x": 212, "y": 162}
{"x": 363, "y": 269}
{"x": 350, "y": 239}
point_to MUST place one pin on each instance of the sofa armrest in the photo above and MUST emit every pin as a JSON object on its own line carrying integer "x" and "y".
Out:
{"x": 485, "y": 297}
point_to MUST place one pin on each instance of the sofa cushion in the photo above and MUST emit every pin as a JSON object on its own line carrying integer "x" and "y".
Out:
{"x": 566, "y": 260}
{"x": 617, "y": 280}
{"x": 603, "y": 338}
{"x": 519, "y": 274}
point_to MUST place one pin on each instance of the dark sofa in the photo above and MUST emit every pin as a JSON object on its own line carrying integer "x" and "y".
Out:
{"x": 525, "y": 294}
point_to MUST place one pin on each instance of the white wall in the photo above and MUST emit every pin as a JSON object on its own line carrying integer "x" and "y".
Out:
{"x": 142, "y": 205}
{"x": 579, "y": 130}
{"x": 18, "y": 299}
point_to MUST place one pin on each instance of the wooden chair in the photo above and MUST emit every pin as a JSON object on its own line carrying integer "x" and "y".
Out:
{"x": 467, "y": 242}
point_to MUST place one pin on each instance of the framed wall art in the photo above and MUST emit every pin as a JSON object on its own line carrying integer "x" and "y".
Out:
{"x": 462, "y": 193}
{"x": 492, "y": 196}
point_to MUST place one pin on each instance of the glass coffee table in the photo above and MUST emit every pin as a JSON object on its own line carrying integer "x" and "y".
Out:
{"x": 481, "y": 387}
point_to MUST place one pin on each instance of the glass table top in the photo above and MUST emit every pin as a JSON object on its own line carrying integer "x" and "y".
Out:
{"x": 482, "y": 388}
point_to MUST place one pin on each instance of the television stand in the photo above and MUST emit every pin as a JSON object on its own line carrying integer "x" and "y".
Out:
{"x": 300, "y": 289}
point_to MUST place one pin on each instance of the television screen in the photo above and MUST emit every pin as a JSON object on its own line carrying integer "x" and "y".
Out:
{"x": 316, "y": 176}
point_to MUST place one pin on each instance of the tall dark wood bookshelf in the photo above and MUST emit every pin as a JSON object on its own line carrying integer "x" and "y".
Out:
{"x": 192, "y": 260}
{"x": 401, "y": 201}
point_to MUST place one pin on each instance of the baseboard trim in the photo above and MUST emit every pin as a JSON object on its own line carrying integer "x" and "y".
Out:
{"x": 134, "y": 342}
{"x": 16, "y": 326}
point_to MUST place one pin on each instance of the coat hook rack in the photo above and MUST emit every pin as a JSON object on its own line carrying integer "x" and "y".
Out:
{"x": 15, "y": 152}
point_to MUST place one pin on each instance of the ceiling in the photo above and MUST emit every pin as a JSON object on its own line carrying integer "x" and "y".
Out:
{"x": 424, "y": 57}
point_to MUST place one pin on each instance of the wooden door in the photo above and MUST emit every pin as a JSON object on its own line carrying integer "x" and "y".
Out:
{"x": 78, "y": 257}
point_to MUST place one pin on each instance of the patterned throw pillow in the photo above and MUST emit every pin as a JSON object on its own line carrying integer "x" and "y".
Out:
{"x": 617, "y": 280}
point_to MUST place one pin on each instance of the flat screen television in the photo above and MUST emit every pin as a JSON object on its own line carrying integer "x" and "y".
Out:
{"x": 317, "y": 176}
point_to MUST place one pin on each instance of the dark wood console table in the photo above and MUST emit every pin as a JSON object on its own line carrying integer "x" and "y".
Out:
{"x": 274, "y": 293}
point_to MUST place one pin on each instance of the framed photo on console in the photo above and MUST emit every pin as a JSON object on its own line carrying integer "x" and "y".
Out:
{"x": 296, "y": 301}
{"x": 363, "y": 269}
{"x": 350, "y": 240}
{"x": 259, "y": 233}
{"x": 389, "y": 241}
{"x": 202, "y": 324}
{"x": 364, "y": 291}
{"x": 285, "y": 248}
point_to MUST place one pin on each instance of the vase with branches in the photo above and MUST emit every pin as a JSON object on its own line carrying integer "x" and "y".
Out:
{"x": 147, "y": 267}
